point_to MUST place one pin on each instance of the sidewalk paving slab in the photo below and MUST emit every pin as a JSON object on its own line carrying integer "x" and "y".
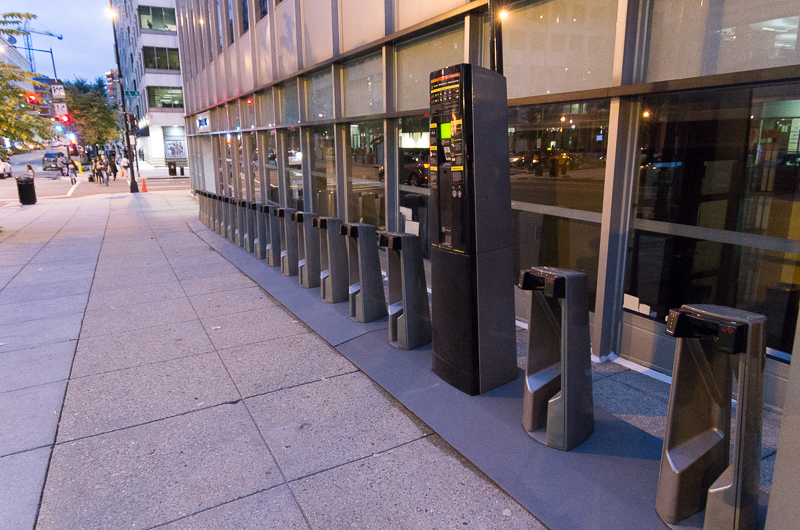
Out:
{"x": 35, "y": 366}
{"x": 31, "y": 333}
{"x": 145, "y": 315}
{"x": 283, "y": 363}
{"x": 21, "y": 479}
{"x": 158, "y": 472}
{"x": 133, "y": 396}
{"x": 29, "y": 417}
{"x": 126, "y": 349}
{"x": 326, "y": 424}
{"x": 11, "y": 294}
{"x": 274, "y": 508}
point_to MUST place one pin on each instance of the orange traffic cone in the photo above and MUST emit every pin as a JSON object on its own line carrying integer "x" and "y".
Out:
{"x": 144, "y": 185}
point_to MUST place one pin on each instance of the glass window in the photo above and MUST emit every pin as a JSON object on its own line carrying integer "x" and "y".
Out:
{"x": 689, "y": 38}
{"x": 158, "y": 18}
{"x": 263, "y": 8}
{"x": 294, "y": 169}
{"x": 145, "y": 18}
{"x": 255, "y": 169}
{"x": 169, "y": 19}
{"x": 317, "y": 31}
{"x": 286, "y": 38}
{"x": 266, "y": 108}
{"x": 165, "y": 97}
{"x": 230, "y": 21}
{"x": 547, "y": 241}
{"x": 418, "y": 58}
{"x": 271, "y": 166}
{"x": 714, "y": 213}
{"x": 174, "y": 60}
{"x": 245, "y": 17}
{"x": 413, "y": 147}
{"x": 248, "y": 110}
{"x": 319, "y": 94}
{"x": 149, "y": 54}
{"x": 161, "y": 58}
{"x": 558, "y": 46}
{"x": 243, "y": 167}
{"x": 410, "y": 12}
{"x": 362, "y": 82}
{"x": 322, "y": 158}
{"x": 290, "y": 108}
{"x": 362, "y": 21}
{"x": 233, "y": 115}
{"x": 220, "y": 29}
{"x": 365, "y": 174}
{"x": 557, "y": 154}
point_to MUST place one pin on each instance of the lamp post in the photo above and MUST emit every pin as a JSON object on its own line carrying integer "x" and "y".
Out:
{"x": 131, "y": 154}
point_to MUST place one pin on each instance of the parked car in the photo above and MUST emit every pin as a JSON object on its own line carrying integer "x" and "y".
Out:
{"x": 5, "y": 169}
{"x": 49, "y": 161}
{"x": 295, "y": 157}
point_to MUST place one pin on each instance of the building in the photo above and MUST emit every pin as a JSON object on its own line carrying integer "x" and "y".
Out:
{"x": 151, "y": 78}
{"x": 653, "y": 145}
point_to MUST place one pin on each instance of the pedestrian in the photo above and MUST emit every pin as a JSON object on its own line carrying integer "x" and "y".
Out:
{"x": 60, "y": 164}
{"x": 102, "y": 166}
{"x": 29, "y": 172}
{"x": 93, "y": 171}
{"x": 124, "y": 162}
{"x": 112, "y": 166}
{"x": 72, "y": 170}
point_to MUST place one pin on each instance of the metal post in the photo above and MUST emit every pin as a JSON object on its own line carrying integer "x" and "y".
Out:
{"x": 496, "y": 36}
{"x": 134, "y": 185}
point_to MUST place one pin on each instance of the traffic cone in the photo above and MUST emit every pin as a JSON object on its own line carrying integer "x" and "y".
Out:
{"x": 144, "y": 185}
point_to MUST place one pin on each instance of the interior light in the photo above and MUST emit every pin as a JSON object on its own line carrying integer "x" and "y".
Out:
{"x": 646, "y": 114}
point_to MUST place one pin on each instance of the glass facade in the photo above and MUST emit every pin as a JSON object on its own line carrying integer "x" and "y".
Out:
{"x": 161, "y": 58}
{"x": 705, "y": 180}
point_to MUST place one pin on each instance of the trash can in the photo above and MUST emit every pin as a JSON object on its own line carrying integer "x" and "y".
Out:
{"x": 172, "y": 171}
{"x": 182, "y": 174}
{"x": 26, "y": 190}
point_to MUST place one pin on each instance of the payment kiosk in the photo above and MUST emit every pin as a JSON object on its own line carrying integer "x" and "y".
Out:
{"x": 472, "y": 278}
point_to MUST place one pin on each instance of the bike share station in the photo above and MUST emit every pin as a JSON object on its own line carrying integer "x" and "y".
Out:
{"x": 530, "y": 423}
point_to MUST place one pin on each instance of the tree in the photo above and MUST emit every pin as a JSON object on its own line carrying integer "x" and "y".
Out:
{"x": 19, "y": 121}
{"x": 91, "y": 117}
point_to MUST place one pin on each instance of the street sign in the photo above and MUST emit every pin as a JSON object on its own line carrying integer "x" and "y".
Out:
{"x": 60, "y": 108}
{"x": 58, "y": 91}
{"x": 132, "y": 93}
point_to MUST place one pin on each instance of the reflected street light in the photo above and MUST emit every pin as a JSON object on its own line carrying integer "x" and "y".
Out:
{"x": 134, "y": 186}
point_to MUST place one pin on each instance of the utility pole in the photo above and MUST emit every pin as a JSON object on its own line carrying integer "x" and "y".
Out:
{"x": 134, "y": 185}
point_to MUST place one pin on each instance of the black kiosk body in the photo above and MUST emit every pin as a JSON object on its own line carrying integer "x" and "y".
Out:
{"x": 474, "y": 346}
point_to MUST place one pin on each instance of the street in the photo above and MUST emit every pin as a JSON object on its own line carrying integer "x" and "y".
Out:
{"x": 49, "y": 185}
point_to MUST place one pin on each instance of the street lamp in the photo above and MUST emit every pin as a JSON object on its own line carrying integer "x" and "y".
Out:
{"x": 131, "y": 154}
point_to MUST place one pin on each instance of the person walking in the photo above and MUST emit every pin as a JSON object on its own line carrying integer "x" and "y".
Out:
{"x": 29, "y": 172}
{"x": 124, "y": 162}
{"x": 72, "y": 170}
{"x": 102, "y": 166}
{"x": 60, "y": 164}
{"x": 112, "y": 166}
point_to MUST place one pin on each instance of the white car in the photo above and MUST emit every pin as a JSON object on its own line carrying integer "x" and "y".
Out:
{"x": 5, "y": 169}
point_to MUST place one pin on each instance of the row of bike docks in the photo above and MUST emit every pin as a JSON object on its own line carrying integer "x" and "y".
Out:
{"x": 698, "y": 469}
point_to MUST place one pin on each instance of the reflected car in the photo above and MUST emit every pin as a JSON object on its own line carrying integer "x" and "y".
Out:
{"x": 415, "y": 171}
{"x": 516, "y": 159}
{"x": 5, "y": 169}
{"x": 295, "y": 157}
{"x": 49, "y": 161}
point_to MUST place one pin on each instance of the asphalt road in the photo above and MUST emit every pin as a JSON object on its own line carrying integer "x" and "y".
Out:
{"x": 49, "y": 185}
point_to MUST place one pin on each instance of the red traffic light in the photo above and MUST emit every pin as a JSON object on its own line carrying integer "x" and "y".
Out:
{"x": 64, "y": 118}
{"x": 33, "y": 99}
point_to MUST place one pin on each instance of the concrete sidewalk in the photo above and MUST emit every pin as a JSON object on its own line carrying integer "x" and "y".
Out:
{"x": 145, "y": 381}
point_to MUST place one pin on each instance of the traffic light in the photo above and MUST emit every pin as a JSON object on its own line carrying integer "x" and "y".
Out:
{"x": 59, "y": 128}
{"x": 64, "y": 118}
{"x": 32, "y": 99}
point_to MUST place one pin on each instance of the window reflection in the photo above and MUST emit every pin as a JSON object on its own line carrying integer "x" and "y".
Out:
{"x": 413, "y": 148}
{"x": 557, "y": 154}
{"x": 365, "y": 173}
{"x": 271, "y": 166}
{"x": 294, "y": 169}
{"x": 323, "y": 170}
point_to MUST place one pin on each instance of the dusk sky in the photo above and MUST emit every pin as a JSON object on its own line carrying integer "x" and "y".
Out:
{"x": 87, "y": 49}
